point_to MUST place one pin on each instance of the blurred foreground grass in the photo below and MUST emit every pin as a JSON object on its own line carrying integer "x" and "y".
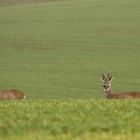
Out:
{"x": 71, "y": 119}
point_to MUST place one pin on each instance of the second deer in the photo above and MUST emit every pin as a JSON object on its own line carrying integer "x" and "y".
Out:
{"x": 106, "y": 79}
{"x": 12, "y": 94}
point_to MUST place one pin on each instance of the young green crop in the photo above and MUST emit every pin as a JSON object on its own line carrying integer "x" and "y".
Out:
{"x": 69, "y": 118}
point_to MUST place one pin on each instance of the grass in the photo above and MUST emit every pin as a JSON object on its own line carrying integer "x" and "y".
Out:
{"x": 59, "y": 49}
{"x": 70, "y": 119}
{"x": 55, "y": 52}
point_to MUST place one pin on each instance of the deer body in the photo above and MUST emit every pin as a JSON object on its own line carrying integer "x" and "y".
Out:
{"x": 12, "y": 94}
{"x": 108, "y": 93}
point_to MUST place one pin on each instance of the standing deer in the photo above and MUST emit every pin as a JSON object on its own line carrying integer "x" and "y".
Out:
{"x": 106, "y": 79}
{"x": 12, "y": 94}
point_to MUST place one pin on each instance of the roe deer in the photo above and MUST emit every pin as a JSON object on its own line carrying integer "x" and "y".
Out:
{"x": 108, "y": 93}
{"x": 12, "y": 94}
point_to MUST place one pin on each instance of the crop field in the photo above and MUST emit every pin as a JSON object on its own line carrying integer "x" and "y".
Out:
{"x": 55, "y": 51}
{"x": 68, "y": 119}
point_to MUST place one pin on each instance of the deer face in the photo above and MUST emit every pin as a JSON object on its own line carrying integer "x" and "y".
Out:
{"x": 106, "y": 81}
{"x": 106, "y": 84}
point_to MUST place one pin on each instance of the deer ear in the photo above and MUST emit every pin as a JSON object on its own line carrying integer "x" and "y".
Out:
{"x": 110, "y": 77}
{"x": 103, "y": 77}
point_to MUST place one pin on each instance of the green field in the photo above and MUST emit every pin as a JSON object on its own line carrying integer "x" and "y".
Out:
{"x": 70, "y": 119}
{"x": 59, "y": 49}
{"x": 55, "y": 50}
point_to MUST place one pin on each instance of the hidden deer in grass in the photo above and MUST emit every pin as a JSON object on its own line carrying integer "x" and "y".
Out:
{"x": 106, "y": 79}
{"x": 12, "y": 94}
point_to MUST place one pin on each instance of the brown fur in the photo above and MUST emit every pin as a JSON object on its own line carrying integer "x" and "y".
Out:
{"x": 12, "y": 94}
{"x": 107, "y": 89}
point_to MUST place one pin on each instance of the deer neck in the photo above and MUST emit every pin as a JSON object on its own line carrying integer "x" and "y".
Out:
{"x": 108, "y": 93}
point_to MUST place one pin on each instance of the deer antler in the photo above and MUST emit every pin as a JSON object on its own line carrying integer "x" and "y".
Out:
{"x": 106, "y": 77}
{"x": 103, "y": 76}
{"x": 109, "y": 76}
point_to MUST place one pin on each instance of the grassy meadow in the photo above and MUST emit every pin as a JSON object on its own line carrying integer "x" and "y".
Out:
{"x": 54, "y": 51}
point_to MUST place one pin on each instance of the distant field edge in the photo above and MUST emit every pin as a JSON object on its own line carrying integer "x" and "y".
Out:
{"x": 4, "y": 3}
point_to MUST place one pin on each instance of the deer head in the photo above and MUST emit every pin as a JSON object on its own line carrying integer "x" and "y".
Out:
{"x": 106, "y": 79}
